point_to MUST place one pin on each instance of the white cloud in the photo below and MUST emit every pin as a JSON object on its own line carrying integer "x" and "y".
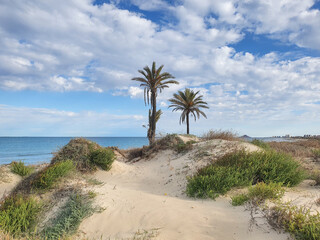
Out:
{"x": 75, "y": 46}
{"x": 22, "y": 121}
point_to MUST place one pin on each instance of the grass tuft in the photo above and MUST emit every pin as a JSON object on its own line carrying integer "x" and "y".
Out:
{"x": 259, "y": 193}
{"x": 103, "y": 158}
{"x": 296, "y": 220}
{"x": 18, "y": 214}
{"x": 262, "y": 191}
{"x": 21, "y": 169}
{"x": 244, "y": 169}
{"x": 50, "y": 175}
{"x": 68, "y": 220}
{"x": 239, "y": 199}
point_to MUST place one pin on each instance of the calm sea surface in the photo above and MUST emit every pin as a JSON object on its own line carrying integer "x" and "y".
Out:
{"x": 33, "y": 150}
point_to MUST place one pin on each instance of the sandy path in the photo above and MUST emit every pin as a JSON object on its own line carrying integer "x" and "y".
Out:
{"x": 149, "y": 195}
{"x": 8, "y": 180}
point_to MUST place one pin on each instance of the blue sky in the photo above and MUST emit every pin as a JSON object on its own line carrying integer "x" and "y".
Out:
{"x": 66, "y": 66}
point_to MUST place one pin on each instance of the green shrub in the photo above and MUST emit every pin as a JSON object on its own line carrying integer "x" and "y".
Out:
{"x": 18, "y": 214}
{"x": 50, "y": 175}
{"x": 20, "y": 169}
{"x": 244, "y": 169}
{"x": 103, "y": 158}
{"x": 259, "y": 193}
{"x": 79, "y": 151}
{"x": 262, "y": 191}
{"x": 69, "y": 218}
{"x": 261, "y": 144}
{"x": 296, "y": 220}
{"x": 239, "y": 199}
{"x": 184, "y": 147}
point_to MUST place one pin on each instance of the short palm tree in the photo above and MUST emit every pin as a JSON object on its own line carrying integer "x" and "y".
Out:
{"x": 152, "y": 81}
{"x": 189, "y": 103}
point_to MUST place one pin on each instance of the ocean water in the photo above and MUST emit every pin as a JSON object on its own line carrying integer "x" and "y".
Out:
{"x": 34, "y": 150}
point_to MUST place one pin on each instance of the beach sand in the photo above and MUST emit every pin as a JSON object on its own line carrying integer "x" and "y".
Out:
{"x": 149, "y": 196}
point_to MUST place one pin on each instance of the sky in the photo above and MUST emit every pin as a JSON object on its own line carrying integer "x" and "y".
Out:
{"x": 66, "y": 66}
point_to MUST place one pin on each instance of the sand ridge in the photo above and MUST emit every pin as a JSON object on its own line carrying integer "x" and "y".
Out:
{"x": 149, "y": 195}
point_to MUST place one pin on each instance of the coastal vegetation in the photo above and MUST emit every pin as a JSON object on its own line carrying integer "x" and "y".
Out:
{"x": 240, "y": 169}
{"x": 52, "y": 202}
{"x": 77, "y": 207}
{"x": 190, "y": 103}
{"x": 261, "y": 144}
{"x": 21, "y": 211}
{"x": 153, "y": 81}
{"x": 259, "y": 193}
{"x": 220, "y": 134}
{"x": 297, "y": 220}
{"x": 86, "y": 155}
{"x": 18, "y": 214}
{"x": 46, "y": 178}
{"x": 21, "y": 169}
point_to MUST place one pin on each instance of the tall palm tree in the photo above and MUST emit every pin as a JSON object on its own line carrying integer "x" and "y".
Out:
{"x": 158, "y": 115}
{"x": 152, "y": 81}
{"x": 188, "y": 102}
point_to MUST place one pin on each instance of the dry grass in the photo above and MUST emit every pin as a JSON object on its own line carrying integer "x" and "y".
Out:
{"x": 302, "y": 148}
{"x": 220, "y": 134}
{"x": 168, "y": 142}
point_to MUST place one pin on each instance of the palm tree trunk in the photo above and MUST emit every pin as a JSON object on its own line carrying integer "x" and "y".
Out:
{"x": 187, "y": 123}
{"x": 153, "y": 118}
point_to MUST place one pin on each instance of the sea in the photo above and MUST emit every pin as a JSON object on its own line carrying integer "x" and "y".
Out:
{"x": 36, "y": 150}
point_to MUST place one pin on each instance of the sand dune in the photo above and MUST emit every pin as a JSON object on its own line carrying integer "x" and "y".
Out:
{"x": 149, "y": 195}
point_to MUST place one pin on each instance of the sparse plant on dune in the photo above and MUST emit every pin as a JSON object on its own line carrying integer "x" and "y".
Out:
{"x": 220, "y": 134}
{"x": 21, "y": 169}
{"x": 153, "y": 80}
{"x": 190, "y": 103}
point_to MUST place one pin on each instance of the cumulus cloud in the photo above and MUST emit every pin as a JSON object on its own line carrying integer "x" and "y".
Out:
{"x": 77, "y": 46}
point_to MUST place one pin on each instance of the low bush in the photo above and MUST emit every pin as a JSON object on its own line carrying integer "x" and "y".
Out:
{"x": 51, "y": 174}
{"x": 296, "y": 220}
{"x": 259, "y": 193}
{"x": 261, "y": 144}
{"x": 262, "y": 191}
{"x": 184, "y": 147}
{"x": 244, "y": 169}
{"x": 18, "y": 214}
{"x": 102, "y": 158}
{"x": 170, "y": 141}
{"x": 239, "y": 199}
{"x": 21, "y": 169}
{"x": 77, "y": 150}
{"x": 69, "y": 218}
{"x": 220, "y": 134}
